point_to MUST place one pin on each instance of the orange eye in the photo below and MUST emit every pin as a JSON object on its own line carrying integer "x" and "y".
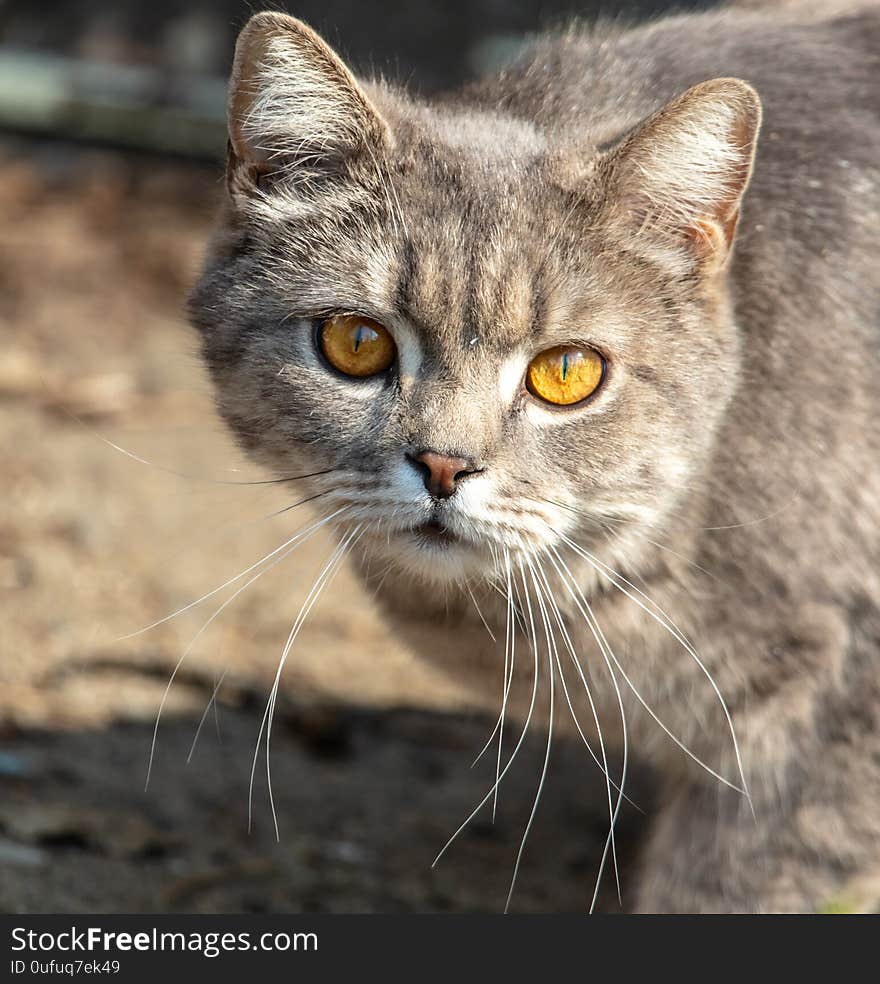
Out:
{"x": 565, "y": 375}
{"x": 356, "y": 346}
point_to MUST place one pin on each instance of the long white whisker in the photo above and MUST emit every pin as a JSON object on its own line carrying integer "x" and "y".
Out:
{"x": 509, "y": 647}
{"x": 573, "y": 656}
{"x": 650, "y": 711}
{"x": 324, "y": 578}
{"x": 516, "y": 749}
{"x": 661, "y": 617}
{"x": 298, "y": 535}
{"x": 190, "y": 477}
{"x": 586, "y": 611}
{"x": 480, "y": 614}
{"x": 292, "y": 544}
{"x": 603, "y": 765}
{"x": 211, "y": 703}
{"x": 546, "y": 764}
{"x": 499, "y": 723}
{"x": 609, "y": 520}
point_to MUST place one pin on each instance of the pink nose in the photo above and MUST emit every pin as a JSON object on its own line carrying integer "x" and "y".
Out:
{"x": 442, "y": 473}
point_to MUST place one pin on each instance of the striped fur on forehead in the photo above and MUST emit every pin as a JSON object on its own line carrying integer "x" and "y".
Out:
{"x": 474, "y": 272}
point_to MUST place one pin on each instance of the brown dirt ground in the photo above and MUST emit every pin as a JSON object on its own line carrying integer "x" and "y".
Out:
{"x": 371, "y": 750}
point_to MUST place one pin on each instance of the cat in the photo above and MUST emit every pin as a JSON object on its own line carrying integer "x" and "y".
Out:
{"x": 588, "y": 355}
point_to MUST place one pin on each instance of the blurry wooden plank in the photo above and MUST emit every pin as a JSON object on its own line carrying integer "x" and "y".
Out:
{"x": 123, "y": 105}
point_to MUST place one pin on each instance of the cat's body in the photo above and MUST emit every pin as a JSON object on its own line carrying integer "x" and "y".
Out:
{"x": 727, "y": 467}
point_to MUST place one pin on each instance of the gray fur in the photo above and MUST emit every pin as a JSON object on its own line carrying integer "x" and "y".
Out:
{"x": 729, "y": 465}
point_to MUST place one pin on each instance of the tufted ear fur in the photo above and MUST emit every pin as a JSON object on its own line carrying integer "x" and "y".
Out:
{"x": 677, "y": 181}
{"x": 293, "y": 104}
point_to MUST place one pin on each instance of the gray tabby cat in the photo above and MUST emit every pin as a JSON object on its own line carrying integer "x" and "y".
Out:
{"x": 508, "y": 340}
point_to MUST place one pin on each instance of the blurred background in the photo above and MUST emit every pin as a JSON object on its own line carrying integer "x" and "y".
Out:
{"x": 111, "y": 142}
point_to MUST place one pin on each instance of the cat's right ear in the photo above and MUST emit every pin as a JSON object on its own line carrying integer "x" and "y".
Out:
{"x": 294, "y": 107}
{"x": 677, "y": 181}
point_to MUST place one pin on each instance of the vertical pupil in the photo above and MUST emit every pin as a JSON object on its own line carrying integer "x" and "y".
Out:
{"x": 358, "y": 336}
{"x": 564, "y": 367}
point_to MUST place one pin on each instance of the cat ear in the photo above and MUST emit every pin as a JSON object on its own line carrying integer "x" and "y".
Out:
{"x": 679, "y": 178}
{"x": 293, "y": 104}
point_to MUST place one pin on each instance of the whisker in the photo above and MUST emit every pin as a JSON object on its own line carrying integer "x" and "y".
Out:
{"x": 603, "y": 528}
{"x": 212, "y": 702}
{"x": 509, "y": 664}
{"x": 322, "y": 580}
{"x": 639, "y": 697}
{"x": 703, "y": 529}
{"x": 603, "y": 766}
{"x": 516, "y": 749}
{"x": 327, "y": 578}
{"x": 187, "y": 475}
{"x": 519, "y": 607}
{"x": 237, "y": 525}
{"x": 292, "y": 544}
{"x": 754, "y": 522}
{"x": 605, "y": 649}
{"x": 479, "y": 612}
{"x": 546, "y": 764}
{"x": 674, "y": 553}
{"x": 238, "y": 577}
{"x": 509, "y": 656}
{"x": 217, "y": 719}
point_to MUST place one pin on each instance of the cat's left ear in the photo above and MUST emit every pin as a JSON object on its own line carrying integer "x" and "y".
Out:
{"x": 293, "y": 104}
{"x": 677, "y": 181}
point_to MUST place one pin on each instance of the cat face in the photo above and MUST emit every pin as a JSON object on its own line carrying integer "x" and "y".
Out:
{"x": 482, "y": 339}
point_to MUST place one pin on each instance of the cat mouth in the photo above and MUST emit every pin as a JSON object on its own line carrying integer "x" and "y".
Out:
{"x": 436, "y": 534}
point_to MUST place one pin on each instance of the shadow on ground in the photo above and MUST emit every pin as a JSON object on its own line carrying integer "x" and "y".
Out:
{"x": 364, "y": 801}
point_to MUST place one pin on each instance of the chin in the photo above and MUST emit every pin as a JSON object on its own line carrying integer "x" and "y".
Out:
{"x": 435, "y": 555}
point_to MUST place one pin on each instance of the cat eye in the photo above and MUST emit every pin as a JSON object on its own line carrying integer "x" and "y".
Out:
{"x": 356, "y": 346}
{"x": 565, "y": 375}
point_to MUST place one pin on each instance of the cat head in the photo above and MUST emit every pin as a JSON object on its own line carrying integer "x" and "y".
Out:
{"x": 484, "y": 335}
